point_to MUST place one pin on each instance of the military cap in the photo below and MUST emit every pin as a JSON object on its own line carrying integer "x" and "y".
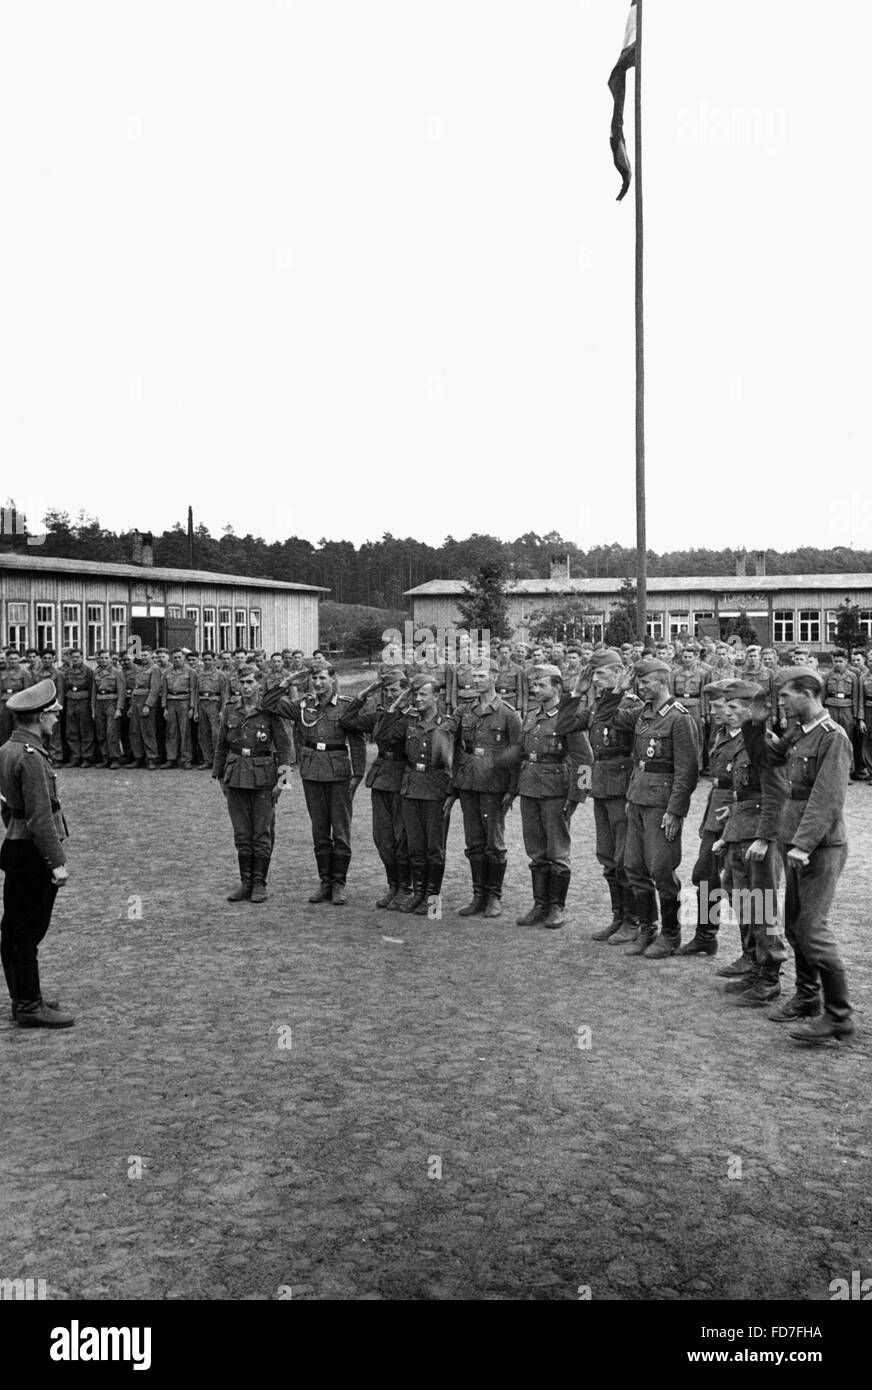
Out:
{"x": 721, "y": 687}
{"x": 609, "y": 657}
{"x": 419, "y": 682}
{"x": 652, "y": 666}
{"x": 744, "y": 690}
{"x": 389, "y": 674}
{"x": 786, "y": 674}
{"x": 546, "y": 669}
{"x": 41, "y": 698}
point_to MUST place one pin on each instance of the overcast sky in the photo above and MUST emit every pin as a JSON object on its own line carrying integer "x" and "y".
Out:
{"x": 337, "y": 267}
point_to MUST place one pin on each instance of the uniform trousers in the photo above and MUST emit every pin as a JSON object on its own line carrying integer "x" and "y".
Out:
{"x": 28, "y": 900}
{"x": 143, "y": 734}
{"x": 251, "y": 815}
{"x": 329, "y": 807}
{"x": 107, "y": 730}
{"x": 178, "y": 732}
{"x": 546, "y": 832}
{"x": 650, "y": 860}
{"x": 610, "y": 823}
{"x": 388, "y": 829}
{"x": 207, "y": 728}
{"x": 80, "y": 730}
{"x": 425, "y": 832}
{"x": 753, "y": 889}
{"x": 484, "y": 826}
{"x": 706, "y": 878}
{"x": 809, "y": 897}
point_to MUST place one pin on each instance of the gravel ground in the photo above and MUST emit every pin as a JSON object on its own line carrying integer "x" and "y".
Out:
{"x": 318, "y": 1102}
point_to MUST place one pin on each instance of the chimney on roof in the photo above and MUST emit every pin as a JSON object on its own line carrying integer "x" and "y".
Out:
{"x": 143, "y": 549}
{"x": 740, "y": 564}
{"x": 760, "y": 563}
{"x": 559, "y": 567}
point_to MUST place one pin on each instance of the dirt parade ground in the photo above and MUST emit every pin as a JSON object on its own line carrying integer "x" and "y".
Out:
{"x": 323, "y": 1102}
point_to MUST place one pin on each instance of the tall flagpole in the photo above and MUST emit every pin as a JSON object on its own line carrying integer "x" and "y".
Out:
{"x": 641, "y": 541}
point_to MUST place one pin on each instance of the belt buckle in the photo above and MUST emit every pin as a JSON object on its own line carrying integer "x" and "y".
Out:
{"x": 420, "y": 767}
{"x": 246, "y": 752}
{"x": 642, "y": 765}
{"x": 479, "y": 752}
{"x": 321, "y": 747}
{"x": 534, "y": 757}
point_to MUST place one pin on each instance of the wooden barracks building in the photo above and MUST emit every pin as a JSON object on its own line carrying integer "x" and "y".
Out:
{"x": 785, "y": 610}
{"x": 90, "y": 604}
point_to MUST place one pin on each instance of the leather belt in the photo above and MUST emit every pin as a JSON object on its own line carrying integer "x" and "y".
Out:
{"x": 548, "y": 758}
{"x": 611, "y": 756}
{"x": 113, "y": 696}
{"x": 799, "y": 795}
{"x": 77, "y": 694}
{"x": 839, "y": 700}
{"x": 186, "y": 696}
{"x": 388, "y": 756}
{"x": 327, "y": 747}
{"x": 644, "y": 766}
{"x": 209, "y": 697}
{"x": 724, "y": 783}
{"x": 746, "y": 800}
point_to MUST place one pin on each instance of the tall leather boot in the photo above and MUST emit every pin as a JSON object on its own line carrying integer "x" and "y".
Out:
{"x": 246, "y": 872}
{"x": 340, "y": 862}
{"x": 669, "y": 939}
{"x": 393, "y": 884}
{"x": 704, "y": 941}
{"x": 324, "y": 892}
{"x": 476, "y": 905}
{"x": 495, "y": 872}
{"x": 558, "y": 887}
{"x": 836, "y": 1020}
{"x": 539, "y": 911}
{"x": 617, "y": 921}
{"x": 630, "y": 922}
{"x": 258, "y": 880}
{"x": 404, "y": 885}
{"x": 418, "y": 894}
{"x": 646, "y": 910}
{"x": 433, "y": 888}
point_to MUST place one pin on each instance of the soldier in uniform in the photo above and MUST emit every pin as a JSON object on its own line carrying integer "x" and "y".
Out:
{"x": 608, "y": 779}
{"x": 511, "y": 680}
{"x": 386, "y": 725}
{"x": 689, "y": 677}
{"x": 32, "y": 856}
{"x": 817, "y": 756}
{"x": 843, "y": 698}
{"x": 665, "y": 774}
{"x": 752, "y": 868}
{"x": 75, "y": 695}
{"x": 543, "y": 786}
{"x": 144, "y": 701}
{"x": 332, "y": 764}
{"x": 179, "y": 702}
{"x": 252, "y": 763}
{"x": 706, "y": 873}
{"x": 864, "y": 675}
{"x": 14, "y": 679}
{"x": 211, "y": 699}
{"x": 108, "y": 694}
{"x": 487, "y": 733}
{"x": 425, "y": 791}
{"x": 128, "y": 676}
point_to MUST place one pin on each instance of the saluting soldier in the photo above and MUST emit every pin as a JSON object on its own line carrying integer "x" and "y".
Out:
{"x": 543, "y": 785}
{"x": 108, "y": 694}
{"x": 487, "y": 732}
{"x": 817, "y": 756}
{"x": 658, "y": 797}
{"x": 386, "y": 725}
{"x": 32, "y": 857}
{"x": 332, "y": 764}
{"x": 179, "y": 703}
{"x": 13, "y": 679}
{"x": 77, "y": 685}
{"x": 425, "y": 794}
{"x": 706, "y": 873}
{"x": 252, "y": 764}
{"x": 608, "y": 779}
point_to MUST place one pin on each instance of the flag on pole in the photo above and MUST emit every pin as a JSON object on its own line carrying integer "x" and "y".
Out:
{"x": 618, "y": 89}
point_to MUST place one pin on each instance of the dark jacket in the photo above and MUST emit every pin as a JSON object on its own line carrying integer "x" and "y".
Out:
{"x": 29, "y": 788}
{"x": 250, "y": 748}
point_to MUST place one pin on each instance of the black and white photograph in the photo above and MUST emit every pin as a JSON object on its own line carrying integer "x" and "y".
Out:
{"x": 435, "y": 666}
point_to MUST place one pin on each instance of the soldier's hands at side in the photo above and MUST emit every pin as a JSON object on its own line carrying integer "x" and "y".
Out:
{"x": 861, "y": 724}
{"x": 355, "y": 783}
{"x": 195, "y": 716}
{"x": 797, "y": 858}
{"x": 670, "y": 825}
{"x": 59, "y": 875}
{"x": 719, "y": 847}
{"x": 506, "y": 803}
{"x": 146, "y": 710}
{"x": 118, "y": 714}
{"x": 757, "y": 851}
{"x": 568, "y": 808}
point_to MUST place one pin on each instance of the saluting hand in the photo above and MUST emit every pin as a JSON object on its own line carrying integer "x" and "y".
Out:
{"x": 59, "y": 875}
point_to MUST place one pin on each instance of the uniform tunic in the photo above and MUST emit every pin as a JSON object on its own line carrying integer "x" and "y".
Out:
{"x": 387, "y": 729}
{"x": 33, "y": 847}
{"x": 544, "y": 785}
{"x": 425, "y": 786}
{"x": 179, "y": 703}
{"x": 487, "y": 736}
{"x": 144, "y": 699}
{"x": 251, "y": 746}
{"x": 611, "y": 747}
{"x": 12, "y": 679}
{"x": 75, "y": 695}
{"x": 757, "y": 797}
{"x": 665, "y": 774}
{"x": 211, "y": 699}
{"x": 108, "y": 695}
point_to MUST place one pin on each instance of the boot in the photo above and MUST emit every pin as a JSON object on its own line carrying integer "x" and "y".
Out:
{"x": 614, "y": 926}
{"x": 495, "y": 873}
{"x": 34, "y": 1013}
{"x": 324, "y": 892}
{"x": 765, "y": 990}
{"x": 339, "y": 863}
{"x": 820, "y": 1030}
{"x": 630, "y": 923}
{"x": 539, "y": 911}
{"x": 646, "y": 910}
{"x": 477, "y": 903}
{"x": 795, "y": 1008}
{"x": 431, "y": 894}
{"x": 743, "y": 965}
{"x": 246, "y": 872}
{"x": 46, "y": 1004}
{"x": 742, "y": 983}
{"x": 418, "y": 893}
{"x": 558, "y": 887}
{"x": 393, "y": 887}
{"x": 258, "y": 886}
{"x": 669, "y": 939}
{"x": 404, "y": 886}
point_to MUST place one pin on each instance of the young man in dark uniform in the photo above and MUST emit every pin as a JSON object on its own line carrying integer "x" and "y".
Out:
{"x": 386, "y": 725}
{"x": 543, "y": 786}
{"x": 425, "y": 791}
{"x": 32, "y": 856}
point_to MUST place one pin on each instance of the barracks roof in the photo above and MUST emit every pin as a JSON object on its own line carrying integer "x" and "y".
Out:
{"x": 46, "y": 564}
{"x": 714, "y": 583}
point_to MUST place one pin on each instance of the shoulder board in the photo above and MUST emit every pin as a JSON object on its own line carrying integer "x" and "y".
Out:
{"x": 28, "y": 748}
{"x": 634, "y": 699}
{"x": 675, "y": 704}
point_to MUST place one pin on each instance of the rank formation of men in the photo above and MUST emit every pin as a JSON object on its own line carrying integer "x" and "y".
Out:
{"x": 779, "y": 737}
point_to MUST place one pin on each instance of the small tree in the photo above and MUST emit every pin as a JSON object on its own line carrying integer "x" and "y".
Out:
{"x": 621, "y": 626}
{"x": 564, "y": 622}
{"x": 485, "y": 604}
{"x": 741, "y": 627}
{"x": 849, "y": 633}
{"x": 366, "y": 639}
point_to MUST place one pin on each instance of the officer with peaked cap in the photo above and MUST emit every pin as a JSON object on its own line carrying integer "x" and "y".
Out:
{"x": 32, "y": 856}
